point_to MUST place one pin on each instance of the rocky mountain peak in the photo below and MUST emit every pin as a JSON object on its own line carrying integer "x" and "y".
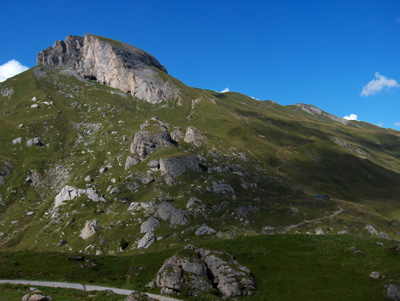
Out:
{"x": 112, "y": 63}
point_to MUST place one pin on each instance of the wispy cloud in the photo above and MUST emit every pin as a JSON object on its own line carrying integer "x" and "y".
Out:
{"x": 351, "y": 117}
{"x": 397, "y": 20}
{"x": 225, "y": 90}
{"x": 397, "y": 124}
{"x": 379, "y": 83}
{"x": 380, "y": 124}
{"x": 10, "y": 69}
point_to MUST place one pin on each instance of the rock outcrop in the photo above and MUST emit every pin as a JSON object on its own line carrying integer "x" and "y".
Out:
{"x": 313, "y": 110}
{"x": 145, "y": 143}
{"x": 176, "y": 166}
{"x": 198, "y": 271}
{"x": 112, "y": 63}
{"x": 176, "y": 217}
{"x": 69, "y": 193}
{"x": 194, "y": 136}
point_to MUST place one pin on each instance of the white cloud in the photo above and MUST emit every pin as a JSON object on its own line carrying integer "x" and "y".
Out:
{"x": 379, "y": 83}
{"x": 225, "y": 90}
{"x": 380, "y": 124}
{"x": 10, "y": 69}
{"x": 351, "y": 117}
{"x": 397, "y": 124}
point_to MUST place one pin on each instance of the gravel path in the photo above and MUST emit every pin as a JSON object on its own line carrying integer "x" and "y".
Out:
{"x": 82, "y": 287}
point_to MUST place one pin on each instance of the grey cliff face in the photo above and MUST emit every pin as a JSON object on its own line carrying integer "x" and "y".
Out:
{"x": 111, "y": 63}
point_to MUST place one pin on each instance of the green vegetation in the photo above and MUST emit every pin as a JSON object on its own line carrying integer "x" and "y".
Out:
{"x": 300, "y": 267}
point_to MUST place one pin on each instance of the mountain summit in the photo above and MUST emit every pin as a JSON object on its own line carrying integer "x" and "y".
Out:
{"x": 112, "y": 63}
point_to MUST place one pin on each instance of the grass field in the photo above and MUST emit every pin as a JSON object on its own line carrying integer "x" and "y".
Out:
{"x": 286, "y": 267}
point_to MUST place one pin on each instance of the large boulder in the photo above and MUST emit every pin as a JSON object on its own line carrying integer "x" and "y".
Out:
{"x": 198, "y": 271}
{"x": 167, "y": 211}
{"x": 147, "y": 240}
{"x": 193, "y": 136}
{"x": 145, "y": 143}
{"x": 176, "y": 166}
{"x": 149, "y": 225}
{"x": 89, "y": 229}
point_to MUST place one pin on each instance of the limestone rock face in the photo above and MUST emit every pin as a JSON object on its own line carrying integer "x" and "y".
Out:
{"x": 200, "y": 270}
{"x": 112, "y": 63}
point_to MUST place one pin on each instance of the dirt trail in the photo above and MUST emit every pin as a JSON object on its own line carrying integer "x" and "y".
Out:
{"x": 288, "y": 228}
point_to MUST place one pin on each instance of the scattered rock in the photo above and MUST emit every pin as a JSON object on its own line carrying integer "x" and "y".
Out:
{"x": 132, "y": 186}
{"x": 150, "y": 225}
{"x": 103, "y": 169}
{"x": 198, "y": 271}
{"x": 355, "y": 250}
{"x": 35, "y": 106}
{"x": 145, "y": 178}
{"x": 147, "y": 240}
{"x": 204, "y": 230}
{"x": 371, "y": 230}
{"x": 319, "y": 231}
{"x": 17, "y": 140}
{"x": 62, "y": 243}
{"x": 34, "y": 297}
{"x": 383, "y": 235}
{"x": 343, "y": 232}
{"x": 375, "y": 275}
{"x": 88, "y": 179}
{"x": 29, "y": 213}
{"x": 69, "y": 193}
{"x": 167, "y": 211}
{"x": 130, "y": 161}
{"x": 221, "y": 188}
{"x": 34, "y": 141}
{"x": 139, "y": 296}
{"x": 381, "y": 244}
{"x": 245, "y": 210}
{"x": 268, "y": 230}
{"x": 89, "y": 229}
{"x": 6, "y": 92}
{"x": 193, "y": 135}
{"x": 192, "y": 201}
{"x": 393, "y": 291}
{"x": 115, "y": 190}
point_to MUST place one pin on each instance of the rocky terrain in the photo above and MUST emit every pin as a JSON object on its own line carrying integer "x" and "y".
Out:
{"x": 104, "y": 153}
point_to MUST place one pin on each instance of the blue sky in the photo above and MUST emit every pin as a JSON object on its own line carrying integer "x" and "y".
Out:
{"x": 317, "y": 52}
